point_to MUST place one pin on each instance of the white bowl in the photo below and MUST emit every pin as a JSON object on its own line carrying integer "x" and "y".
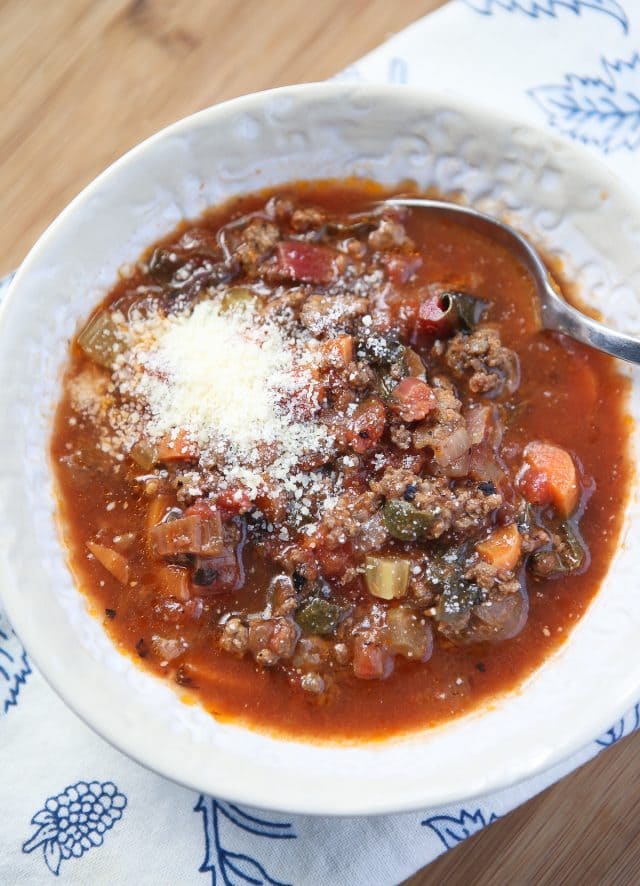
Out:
{"x": 555, "y": 192}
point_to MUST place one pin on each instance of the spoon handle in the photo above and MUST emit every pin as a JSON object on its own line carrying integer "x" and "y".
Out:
{"x": 557, "y": 314}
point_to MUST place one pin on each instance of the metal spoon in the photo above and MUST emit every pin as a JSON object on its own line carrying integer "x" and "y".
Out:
{"x": 556, "y": 312}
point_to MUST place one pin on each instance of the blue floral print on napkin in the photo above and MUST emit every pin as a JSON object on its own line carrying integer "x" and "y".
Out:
{"x": 236, "y": 868}
{"x": 14, "y": 666}
{"x": 603, "y": 110}
{"x": 75, "y": 821}
{"x": 552, "y": 8}
{"x": 452, "y": 830}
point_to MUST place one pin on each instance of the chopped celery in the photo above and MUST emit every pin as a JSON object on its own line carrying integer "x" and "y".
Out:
{"x": 387, "y": 577}
{"x": 98, "y": 339}
{"x": 239, "y": 298}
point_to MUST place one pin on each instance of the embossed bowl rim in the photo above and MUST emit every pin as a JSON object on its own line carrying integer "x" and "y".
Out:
{"x": 559, "y": 194}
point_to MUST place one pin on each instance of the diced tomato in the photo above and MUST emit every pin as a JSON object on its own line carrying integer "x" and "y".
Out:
{"x": 272, "y": 501}
{"x": 177, "y": 447}
{"x": 412, "y": 399}
{"x": 371, "y": 661}
{"x": 202, "y": 508}
{"x": 366, "y": 426}
{"x": 432, "y": 319}
{"x": 233, "y": 501}
{"x": 401, "y": 268}
{"x": 549, "y": 477}
{"x": 503, "y": 547}
{"x": 337, "y": 352}
{"x": 334, "y": 563}
{"x": 305, "y": 262}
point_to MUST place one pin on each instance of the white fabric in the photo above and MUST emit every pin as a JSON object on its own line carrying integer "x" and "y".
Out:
{"x": 72, "y": 806}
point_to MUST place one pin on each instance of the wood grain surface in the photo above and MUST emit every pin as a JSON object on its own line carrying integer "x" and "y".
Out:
{"x": 80, "y": 83}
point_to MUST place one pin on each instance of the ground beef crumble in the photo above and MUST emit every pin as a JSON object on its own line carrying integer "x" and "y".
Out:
{"x": 482, "y": 360}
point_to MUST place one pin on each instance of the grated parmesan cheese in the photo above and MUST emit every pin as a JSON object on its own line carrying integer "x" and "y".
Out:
{"x": 218, "y": 375}
{"x": 238, "y": 386}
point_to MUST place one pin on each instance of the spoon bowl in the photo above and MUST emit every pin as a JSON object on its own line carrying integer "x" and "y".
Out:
{"x": 555, "y": 312}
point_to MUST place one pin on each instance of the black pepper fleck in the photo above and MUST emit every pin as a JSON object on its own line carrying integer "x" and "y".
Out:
{"x": 480, "y": 666}
{"x": 410, "y": 492}
{"x": 141, "y": 648}
{"x": 298, "y": 579}
{"x": 204, "y": 575}
{"x": 110, "y": 613}
{"x": 487, "y": 487}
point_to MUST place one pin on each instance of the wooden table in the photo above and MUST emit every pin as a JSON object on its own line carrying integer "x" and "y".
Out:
{"x": 80, "y": 83}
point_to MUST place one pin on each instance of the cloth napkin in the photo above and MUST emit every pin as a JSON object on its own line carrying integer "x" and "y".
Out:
{"x": 73, "y": 807}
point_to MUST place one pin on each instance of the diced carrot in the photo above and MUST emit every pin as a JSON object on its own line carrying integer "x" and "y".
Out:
{"x": 177, "y": 447}
{"x": 412, "y": 399}
{"x": 112, "y": 561}
{"x": 338, "y": 351}
{"x": 550, "y": 477}
{"x": 503, "y": 547}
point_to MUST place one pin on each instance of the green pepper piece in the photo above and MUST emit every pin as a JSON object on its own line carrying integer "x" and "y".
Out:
{"x": 554, "y": 563}
{"x": 318, "y": 616}
{"x": 458, "y": 597}
{"x": 379, "y": 349}
{"x": 465, "y": 310}
{"x": 406, "y": 522}
{"x": 574, "y": 553}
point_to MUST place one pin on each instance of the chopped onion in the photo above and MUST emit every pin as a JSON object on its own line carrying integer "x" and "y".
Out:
{"x": 167, "y": 648}
{"x": 479, "y": 423}
{"x": 451, "y": 448}
{"x": 503, "y": 618}
{"x": 112, "y": 561}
